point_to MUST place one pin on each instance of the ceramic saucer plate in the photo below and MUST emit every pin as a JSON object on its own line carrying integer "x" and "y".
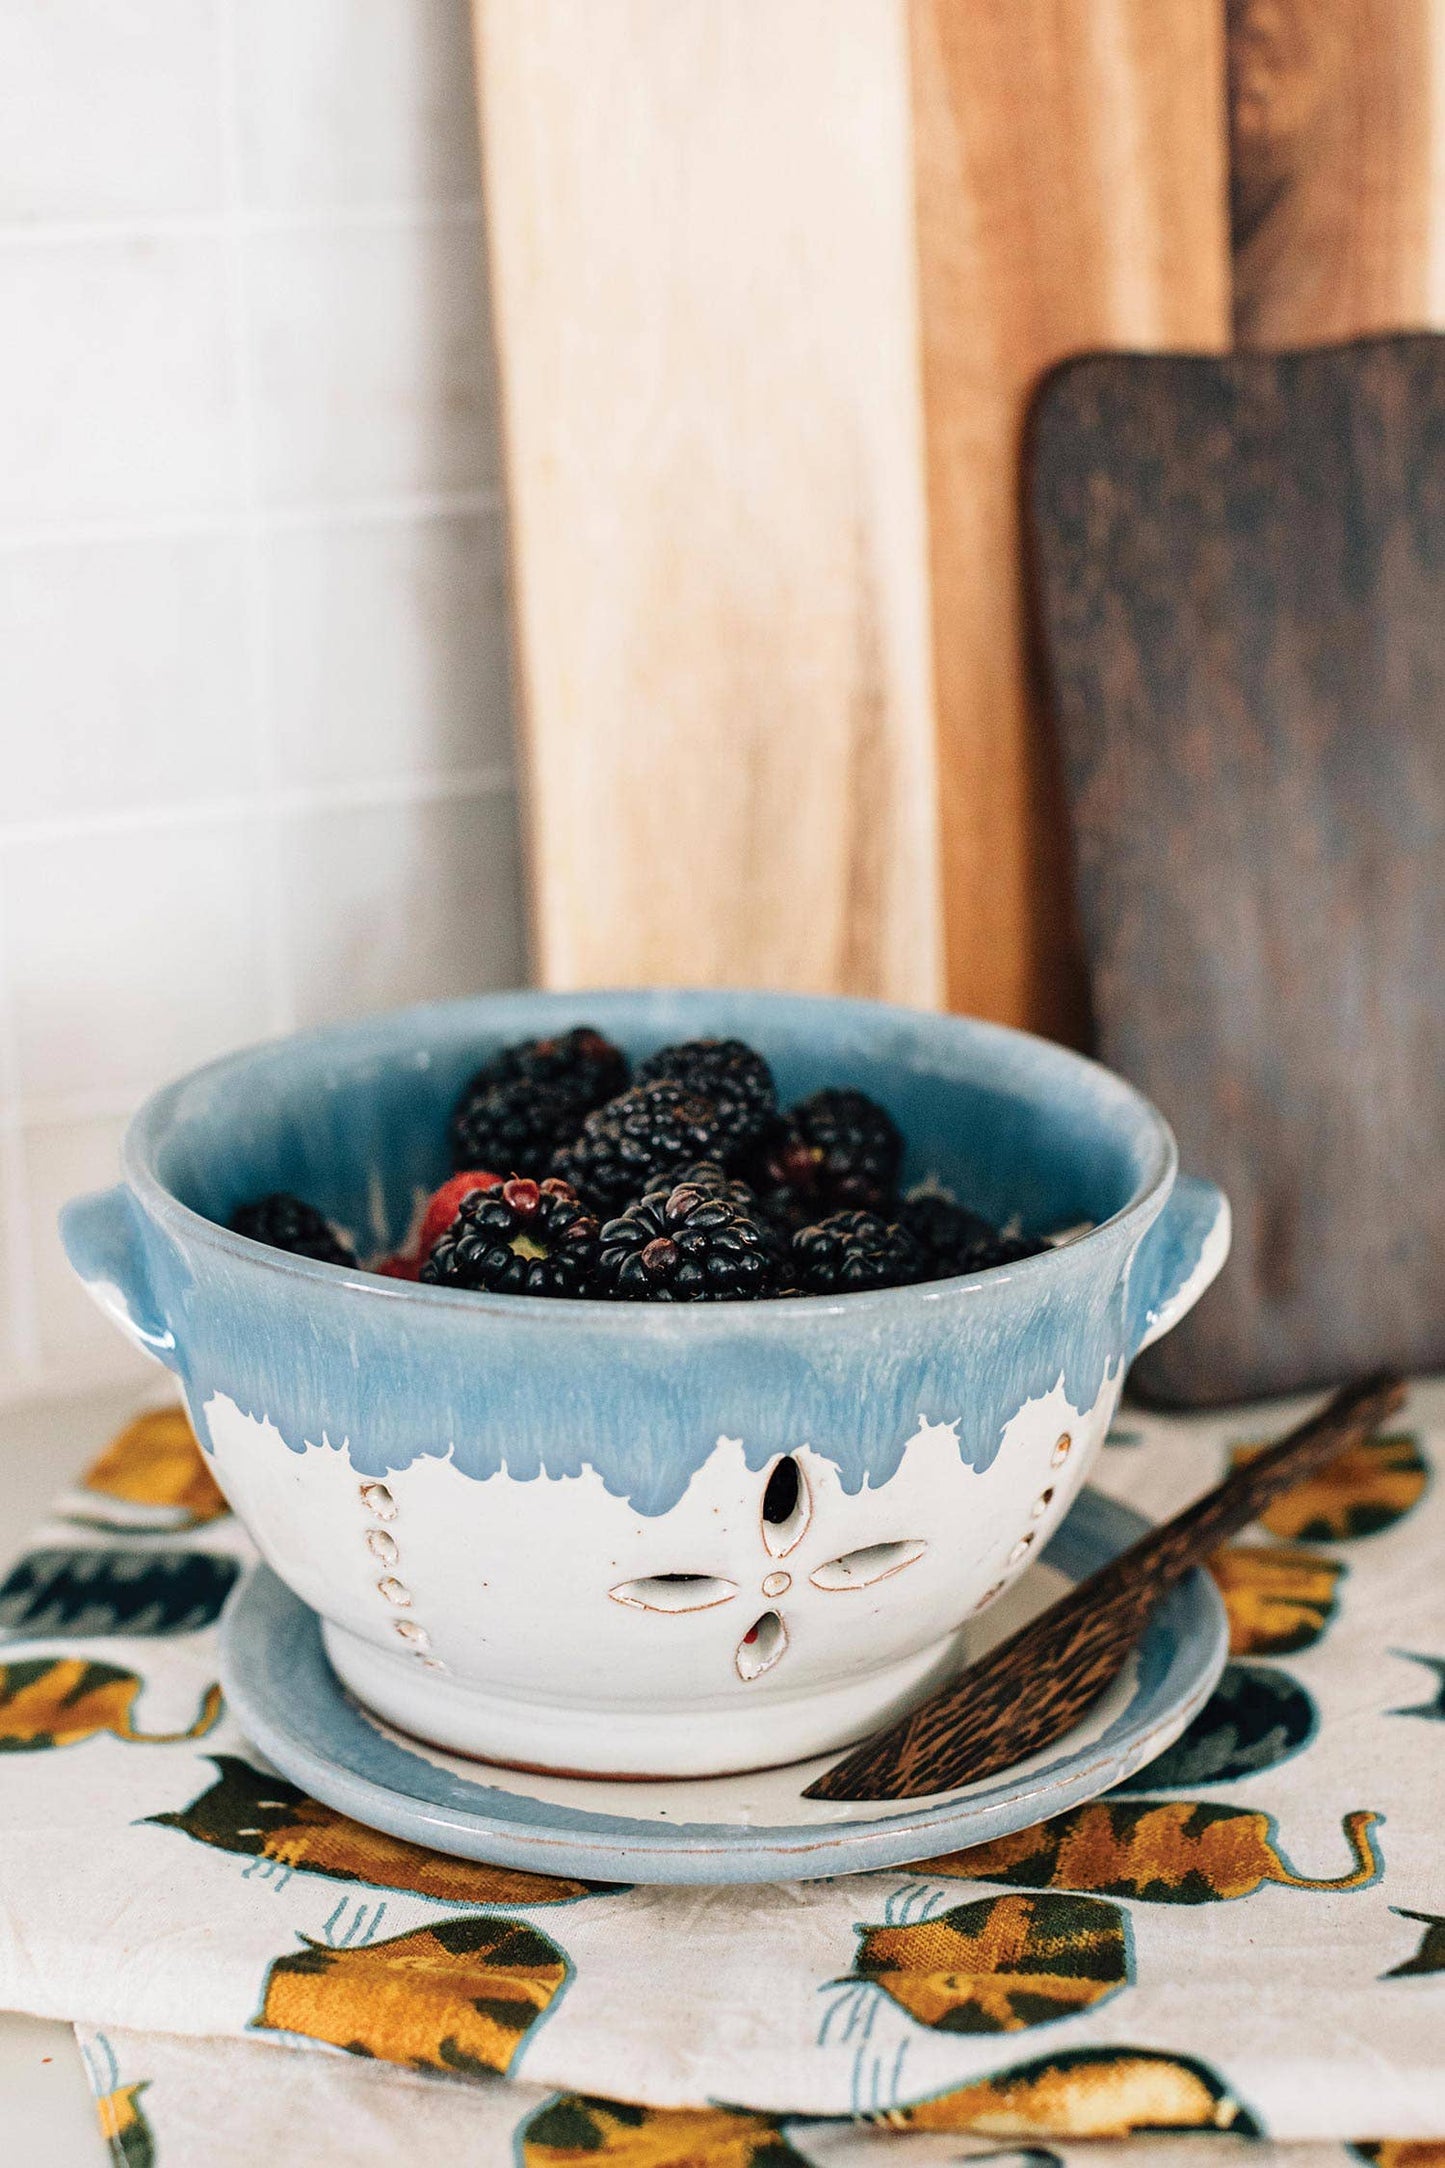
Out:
{"x": 753, "y": 1828}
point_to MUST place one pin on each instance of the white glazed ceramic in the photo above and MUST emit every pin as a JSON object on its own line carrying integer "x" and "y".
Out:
{"x": 758, "y": 1827}
{"x": 539, "y": 1531}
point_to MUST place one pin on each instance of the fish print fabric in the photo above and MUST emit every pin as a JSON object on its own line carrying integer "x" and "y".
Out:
{"x": 1246, "y": 1940}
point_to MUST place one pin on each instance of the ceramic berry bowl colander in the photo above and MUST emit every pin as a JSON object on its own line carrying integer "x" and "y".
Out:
{"x": 628, "y": 1538}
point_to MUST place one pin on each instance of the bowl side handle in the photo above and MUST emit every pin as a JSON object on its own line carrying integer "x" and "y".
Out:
{"x": 104, "y": 1238}
{"x": 1178, "y": 1258}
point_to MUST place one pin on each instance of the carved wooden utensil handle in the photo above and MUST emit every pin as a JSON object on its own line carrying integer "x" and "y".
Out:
{"x": 1030, "y": 1689}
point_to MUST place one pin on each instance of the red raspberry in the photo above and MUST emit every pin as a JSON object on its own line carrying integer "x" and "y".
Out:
{"x": 444, "y": 1204}
{"x": 442, "y": 1208}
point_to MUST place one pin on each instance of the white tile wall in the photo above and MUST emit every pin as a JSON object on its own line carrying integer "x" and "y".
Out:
{"x": 255, "y": 740}
{"x": 120, "y": 380}
{"x": 397, "y": 902}
{"x": 388, "y": 649}
{"x": 400, "y": 134}
{"x": 111, "y": 115}
{"x": 368, "y": 377}
{"x": 105, "y": 645}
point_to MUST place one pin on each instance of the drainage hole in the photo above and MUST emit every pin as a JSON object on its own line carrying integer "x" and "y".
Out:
{"x": 860, "y": 1569}
{"x": 780, "y": 1499}
{"x": 674, "y": 1592}
{"x": 787, "y": 1507}
{"x": 761, "y": 1646}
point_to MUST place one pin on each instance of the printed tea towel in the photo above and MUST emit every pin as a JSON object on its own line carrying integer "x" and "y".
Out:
{"x": 171, "y": 2102}
{"x": 1248, "y": 1940}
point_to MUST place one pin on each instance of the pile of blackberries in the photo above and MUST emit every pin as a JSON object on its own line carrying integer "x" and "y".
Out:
{"x": 681, "y": 1181}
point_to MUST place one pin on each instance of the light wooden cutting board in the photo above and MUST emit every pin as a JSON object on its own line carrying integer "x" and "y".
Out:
{"x": 772, "y": 282}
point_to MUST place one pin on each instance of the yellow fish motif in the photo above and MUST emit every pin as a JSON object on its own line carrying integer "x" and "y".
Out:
{"x": 265, "y": 1817}
{"x": 51, "y": 1701}
{"x": 1278, "y": 1599}
{"x": 156, "y": 1463}
{"x": 124, "y": 2127}
{"x": 1172, "y": 1852}
{"x": 576, "y": 2131}
{"x": 1368, "y": 1488}
{"x": 1085, "y": 2093}
{"x": 460, "y": 1996}
{"x": 1001, "y": 1964}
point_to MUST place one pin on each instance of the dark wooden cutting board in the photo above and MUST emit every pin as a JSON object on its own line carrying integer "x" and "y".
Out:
{"x": 1241, "y": 590}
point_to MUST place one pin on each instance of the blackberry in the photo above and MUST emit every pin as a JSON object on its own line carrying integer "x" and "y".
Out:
{"x": 684, "y": 1244}
{"x": 781, "y": 1172}
{"x": 856, "y": 1144}
{"x": 711, "y": 1175}
{"x": 851, "y": 1251}
{"x": 522, "y": 1238}
{"x": 567, "y": 1076}
{"x": 728, "y": 1072}
{"x": 286, "y": 1223}
{"x": 513, "y": 1127}
{"x": 835, "y": 1150}
{"x": 946, "y": 1232}
{"x": 637, "y": 1142}
{"x": 582, "y": 1061}
{"x": 997, "y": 1249}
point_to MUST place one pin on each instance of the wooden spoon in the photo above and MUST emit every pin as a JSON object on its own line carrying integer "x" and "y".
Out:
{"x": 1029, "y": 1690}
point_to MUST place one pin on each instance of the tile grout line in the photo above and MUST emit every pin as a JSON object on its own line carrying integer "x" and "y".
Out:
{"x": 235, "y": 217}
{"x": 266, "y": 872}
{"x": 321, "y": 516}
{"x": 401, "y": 790}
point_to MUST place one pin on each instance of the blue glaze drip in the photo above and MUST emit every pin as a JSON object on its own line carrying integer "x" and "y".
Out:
{"x": 1172, "y": 1251}
{"x": 352, "y": 1119}
{"x": 647, "y": 1428}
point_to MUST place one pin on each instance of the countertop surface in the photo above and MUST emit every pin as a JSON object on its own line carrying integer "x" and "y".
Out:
{"x": 48, "y": 2113}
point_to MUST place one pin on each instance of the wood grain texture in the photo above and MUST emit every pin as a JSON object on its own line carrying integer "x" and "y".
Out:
{"x": 1337, "y": 118}
{"x": 1072, "y": 193}
{"x": 1243, "y": 581}
{"x": 700, "y": 228}
{"x": 1035, "y": 1686}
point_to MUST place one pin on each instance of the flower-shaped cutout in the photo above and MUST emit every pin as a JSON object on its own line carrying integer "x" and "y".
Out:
{"x": 785, "y": 1517}
{"x": 675, "y": 1592}
{"x": 875, "y": 1562}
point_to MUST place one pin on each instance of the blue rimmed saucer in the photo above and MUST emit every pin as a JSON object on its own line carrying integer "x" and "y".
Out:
{"x": 752, "y": 1828}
